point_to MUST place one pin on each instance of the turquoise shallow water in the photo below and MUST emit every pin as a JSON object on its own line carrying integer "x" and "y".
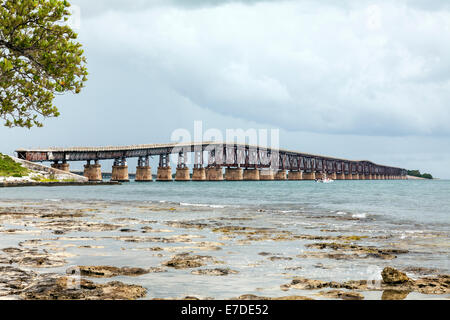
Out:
{"x": 408, "y": 202}
{"x": 411, "y": 215}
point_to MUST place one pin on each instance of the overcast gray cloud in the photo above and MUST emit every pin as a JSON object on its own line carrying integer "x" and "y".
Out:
{"x": 375, "y": 70}
{"x": 352, "y": 79}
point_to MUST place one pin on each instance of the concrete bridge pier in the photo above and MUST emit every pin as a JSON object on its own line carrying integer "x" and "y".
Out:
{"x": 182, "y": 173}
{"x": 309, "y": 176}
{"x": 199, "y": 174}
{"x": 120, "y": 171}
{"x": 295, "y": 175}
{"x": 61, "y": 166}
{"x": 333, "y": 176}
{"x": 362, "y": 176}
{"x": 251, "y": 175}
{"x": 164, "y": 169}
{"x": 340, "y": 176}
{"x": 93, "y": 172}
{"x": 214, "y": 174}
{"x": 281, "y": 175}
{"x": 319, "y": 175}
{"x": 266, "y": 175}
{"x": 348, "y": 176}
{"x": 355, "y": 176}
{"x": 234, "y": 174}
{"x": 143, "y": 171}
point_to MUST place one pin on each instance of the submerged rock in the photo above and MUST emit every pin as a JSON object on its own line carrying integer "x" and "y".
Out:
{"x": 215, "y": 272}
{"x": 276, "y": 258}
{"x": 394, "y": 295}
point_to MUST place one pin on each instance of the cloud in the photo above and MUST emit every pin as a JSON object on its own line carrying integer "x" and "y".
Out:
{"x": 375, "y": 70}
{"x": 98, "y": 7}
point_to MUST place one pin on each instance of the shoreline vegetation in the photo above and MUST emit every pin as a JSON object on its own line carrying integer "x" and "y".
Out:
{"x": 19, "y": 173}
{"x": 416, "y": 174}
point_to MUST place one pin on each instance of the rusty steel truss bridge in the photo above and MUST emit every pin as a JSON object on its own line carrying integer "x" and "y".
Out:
{"x": 241, "y": 162}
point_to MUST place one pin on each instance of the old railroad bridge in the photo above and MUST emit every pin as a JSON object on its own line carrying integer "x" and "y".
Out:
{"x": 241, "y": 162}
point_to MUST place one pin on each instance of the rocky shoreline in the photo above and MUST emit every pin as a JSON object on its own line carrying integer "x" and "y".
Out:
{"x": 55, "y": 236}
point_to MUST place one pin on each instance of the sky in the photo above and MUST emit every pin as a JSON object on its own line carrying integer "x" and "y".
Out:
{"x": 362, "y": 80}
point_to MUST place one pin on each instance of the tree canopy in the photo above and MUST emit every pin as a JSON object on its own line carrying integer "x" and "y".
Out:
{"x": 39, "y": 59}
{"x": 416, "y": 173}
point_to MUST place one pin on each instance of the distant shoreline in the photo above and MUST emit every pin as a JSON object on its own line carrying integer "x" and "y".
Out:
{"x": 418, "y": 178}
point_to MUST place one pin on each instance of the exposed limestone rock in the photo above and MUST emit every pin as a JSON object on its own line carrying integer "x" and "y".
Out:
{"x": 34, "y": 258}
{"x": 109, "y": 272}
{"x": 430, "y": 285}
{"x": 61, "y": 289}
{"x": 12, "y": 280}
{"x": 307, "y": 284}
{"x": 360, "y": 251}
{"x": 187, "y": 261}
{"x": 393, "y": 276}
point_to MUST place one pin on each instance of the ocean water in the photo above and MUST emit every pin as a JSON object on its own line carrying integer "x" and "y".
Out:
{"x": 411, "y": 215}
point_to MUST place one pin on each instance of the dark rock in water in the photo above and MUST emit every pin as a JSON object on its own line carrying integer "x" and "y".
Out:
{"x": 394, "y": 295}
{"x": 280, "y": 258}
{"x": 393, "y": 276}
{"x": 215, "y": 272}
{"x": 127, "y": 230}
{"x": 109, "y": 272}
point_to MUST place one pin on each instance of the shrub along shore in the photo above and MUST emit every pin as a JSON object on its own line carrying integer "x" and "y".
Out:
{"x": 19, "y": 173}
